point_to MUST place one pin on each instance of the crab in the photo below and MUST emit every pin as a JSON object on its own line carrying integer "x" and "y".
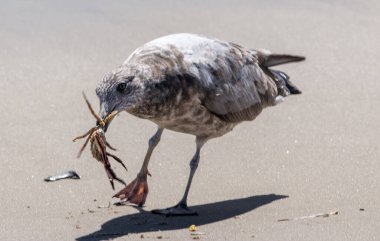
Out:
{"x": 96, "y": 136}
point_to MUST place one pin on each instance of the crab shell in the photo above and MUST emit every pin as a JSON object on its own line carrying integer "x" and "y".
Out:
{"x": 98, "y": 145}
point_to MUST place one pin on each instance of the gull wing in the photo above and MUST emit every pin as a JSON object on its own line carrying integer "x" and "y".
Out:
{"x": 236, "y": 88}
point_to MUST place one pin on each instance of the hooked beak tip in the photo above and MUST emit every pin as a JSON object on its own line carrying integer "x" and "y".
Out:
{"x": 106, "y": 119}
{"x": 106, "y": 115}
{"x": 105, "y": 127}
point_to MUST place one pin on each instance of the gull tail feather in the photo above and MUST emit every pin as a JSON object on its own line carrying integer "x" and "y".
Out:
{"x": 277, "y": 59}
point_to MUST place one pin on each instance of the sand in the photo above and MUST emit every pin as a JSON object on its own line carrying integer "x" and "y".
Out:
{"x": 314, "y": 153}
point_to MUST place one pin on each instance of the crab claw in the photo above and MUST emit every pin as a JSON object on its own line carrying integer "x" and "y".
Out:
{"x": 136, "y": 191}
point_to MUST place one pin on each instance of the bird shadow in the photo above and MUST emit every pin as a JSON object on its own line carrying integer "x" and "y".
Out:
{"x": 145, "y": 221}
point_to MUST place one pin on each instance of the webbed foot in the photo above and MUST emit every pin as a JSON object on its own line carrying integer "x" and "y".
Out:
{"x": 181, "y": 209}
{"x": 136, "y": 191}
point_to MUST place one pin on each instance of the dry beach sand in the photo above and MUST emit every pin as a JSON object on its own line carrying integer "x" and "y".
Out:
{"x": 315, "y": 153}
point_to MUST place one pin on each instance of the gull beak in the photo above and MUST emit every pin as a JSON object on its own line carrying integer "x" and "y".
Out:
{"x": 106, "y": 115}
{"x": 109, "y": 119}
{"x": 103, "y": 113}
{"x": 105, "y": 127}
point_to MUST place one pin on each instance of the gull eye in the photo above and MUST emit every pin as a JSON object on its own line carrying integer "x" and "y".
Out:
{"x": 121, "y": 87}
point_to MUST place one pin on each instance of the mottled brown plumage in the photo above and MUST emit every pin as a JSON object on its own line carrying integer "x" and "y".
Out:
{"x": 196, "y": 85}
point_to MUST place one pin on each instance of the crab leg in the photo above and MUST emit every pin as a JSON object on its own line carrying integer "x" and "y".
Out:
{"x": 100, "y": 121}
{"x": 87, "y": 133}
{"x": 84, "y": 146}
{"x": 110, "y": 116}
{"x": 117, "y": 159}
{"x": 110, "y": 147}
{"x": 104, "y": 159}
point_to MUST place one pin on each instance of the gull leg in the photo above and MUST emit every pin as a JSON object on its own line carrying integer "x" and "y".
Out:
{"x": 137, "y": 191}
{"x": 181, "y": 209}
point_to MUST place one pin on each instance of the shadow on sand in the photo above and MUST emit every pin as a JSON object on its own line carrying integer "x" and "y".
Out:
{"x": 208, "y": 213}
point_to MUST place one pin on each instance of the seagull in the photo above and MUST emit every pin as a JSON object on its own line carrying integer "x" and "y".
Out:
{"x": 196, "y": 85}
